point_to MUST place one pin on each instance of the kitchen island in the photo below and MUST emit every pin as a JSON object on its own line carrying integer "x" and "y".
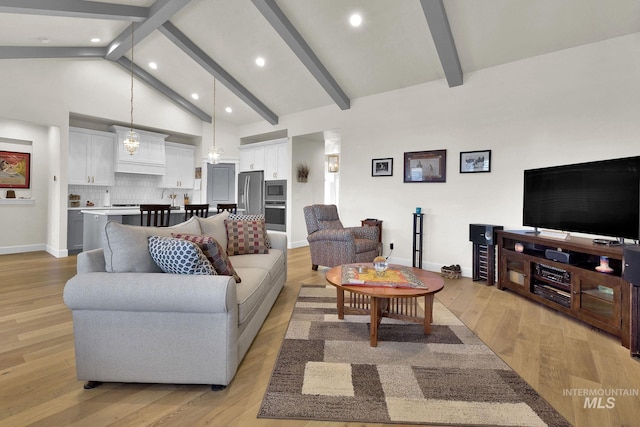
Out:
{"x": 96, "y": 219}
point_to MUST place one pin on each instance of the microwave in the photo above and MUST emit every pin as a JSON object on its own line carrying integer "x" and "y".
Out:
{"x": 275, "y": 191}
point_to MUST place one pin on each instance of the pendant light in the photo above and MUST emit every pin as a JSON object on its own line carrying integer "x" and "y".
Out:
{"x": 214, "y": 152}
{"x": 132, "y": 141}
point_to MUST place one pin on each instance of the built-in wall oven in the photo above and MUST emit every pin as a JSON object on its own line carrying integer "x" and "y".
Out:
{"x": 275, "y": 205}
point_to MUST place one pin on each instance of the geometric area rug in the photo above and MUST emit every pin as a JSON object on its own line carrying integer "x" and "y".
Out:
{"x": 327, "y": 371}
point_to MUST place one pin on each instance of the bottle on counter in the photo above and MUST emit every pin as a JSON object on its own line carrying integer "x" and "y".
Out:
{"x": 107, "y": 199}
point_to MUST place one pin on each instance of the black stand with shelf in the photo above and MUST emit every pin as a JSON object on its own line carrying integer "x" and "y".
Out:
{"x": 576, "y": 289}
{"x": 417, "y": 239}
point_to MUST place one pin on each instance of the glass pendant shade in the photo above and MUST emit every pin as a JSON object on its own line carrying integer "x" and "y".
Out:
{"x": 131, "y": 142}
{"x": 215, "y": 154}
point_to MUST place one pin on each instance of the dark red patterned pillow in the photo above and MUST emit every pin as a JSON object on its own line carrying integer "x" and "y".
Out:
{"x": 214, "y": 253}
{"x": 246, "y": 237}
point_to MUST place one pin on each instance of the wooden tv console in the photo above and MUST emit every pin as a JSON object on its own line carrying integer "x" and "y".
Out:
{"x": 576, "y": 288}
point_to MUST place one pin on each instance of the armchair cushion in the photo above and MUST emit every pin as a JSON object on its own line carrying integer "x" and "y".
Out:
{"x": 327, "y": 216}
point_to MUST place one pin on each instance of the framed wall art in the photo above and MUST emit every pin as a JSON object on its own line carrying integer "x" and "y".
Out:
{"x": 382, "y": 167}
{"x": 15, "y": 169}
{"x": 475, "y": 161}
{"x": 425, "y": 166}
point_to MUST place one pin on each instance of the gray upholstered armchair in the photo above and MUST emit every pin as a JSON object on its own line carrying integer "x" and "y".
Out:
{"x": 332, "y": 244}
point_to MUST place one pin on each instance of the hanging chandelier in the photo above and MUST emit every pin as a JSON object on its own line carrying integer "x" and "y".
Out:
{"x": 132, "y": 141}
{"x": 214, "y": 152}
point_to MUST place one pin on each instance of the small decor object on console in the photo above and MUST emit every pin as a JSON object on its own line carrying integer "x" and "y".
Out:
{"x": 604, "y": 265}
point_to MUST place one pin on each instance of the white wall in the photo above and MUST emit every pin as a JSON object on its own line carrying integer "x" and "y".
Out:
{"x": 309, "y": 151}
{"x": 574, "y": 105}
{"x": 39, "y": 95}
{"x": 26, "y": 138}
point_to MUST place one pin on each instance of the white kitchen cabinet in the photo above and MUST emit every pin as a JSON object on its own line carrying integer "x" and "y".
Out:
{"x": 149, "y": 159}
{"x": 180, "y": 166}
{"x": 251, "y": 158}
{"x": 272, "y": 157}
{"x": 91, "y": 157}
{"x": 276, "y": 161}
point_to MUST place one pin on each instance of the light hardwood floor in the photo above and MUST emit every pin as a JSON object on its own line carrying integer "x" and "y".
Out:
{"x": 37, "y": 365}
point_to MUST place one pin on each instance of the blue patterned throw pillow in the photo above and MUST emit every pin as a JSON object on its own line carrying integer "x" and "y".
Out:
{"x": 179, "y": 256}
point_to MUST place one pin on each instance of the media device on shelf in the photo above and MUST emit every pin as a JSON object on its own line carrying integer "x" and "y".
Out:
{"x": 600, "y": 198}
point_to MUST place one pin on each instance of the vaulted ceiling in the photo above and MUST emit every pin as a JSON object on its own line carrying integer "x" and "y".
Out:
{"x": 313, "y": 56}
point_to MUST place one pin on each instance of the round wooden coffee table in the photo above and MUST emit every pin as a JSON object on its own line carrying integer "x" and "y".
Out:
{"x": 379, "y": 302}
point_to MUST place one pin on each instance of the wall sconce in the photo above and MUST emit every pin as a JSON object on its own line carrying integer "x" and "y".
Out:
{"x": 333, "y": 162}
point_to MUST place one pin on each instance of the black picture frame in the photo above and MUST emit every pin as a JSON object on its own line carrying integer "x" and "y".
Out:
{"x": 425, "y": 166}
{"x": 475, "y": 161}
{"x": 382, "y": 167}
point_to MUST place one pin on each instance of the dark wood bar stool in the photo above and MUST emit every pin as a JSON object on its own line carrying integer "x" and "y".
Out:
{"x": 229, "y": 207}
{"x": 157, "y": 215}
{"x": 201, "y": 210}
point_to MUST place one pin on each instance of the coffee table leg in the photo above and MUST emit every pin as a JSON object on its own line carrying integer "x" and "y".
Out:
{"x": 375, "y": 321}
{"x": 428, "y": 313}
{"x": 340, "y": 303}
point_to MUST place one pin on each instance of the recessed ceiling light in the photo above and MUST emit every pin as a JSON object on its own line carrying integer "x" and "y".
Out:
{"x": 95, "y": 40}
{"x": 153, "y": 65}
{"x": 195, "y": 96}
{"x": 229, "y": 110}
{"x": 355, "y": 20}
{"x": 260, "y": 61}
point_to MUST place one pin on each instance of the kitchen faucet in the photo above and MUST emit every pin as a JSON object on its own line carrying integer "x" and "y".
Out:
{"x": 172, "y": 195}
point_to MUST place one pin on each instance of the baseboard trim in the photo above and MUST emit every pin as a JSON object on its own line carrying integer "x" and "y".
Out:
{"x": 6, "y": 250}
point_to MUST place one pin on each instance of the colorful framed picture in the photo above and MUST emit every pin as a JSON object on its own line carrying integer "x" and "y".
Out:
{"x": 425, "y": 166}
{"x": 15, "y": 169}
{"x": 382, "y": 167}
{"x": 475, "y": 161}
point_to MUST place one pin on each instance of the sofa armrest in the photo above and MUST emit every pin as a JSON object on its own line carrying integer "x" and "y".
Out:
{"x": 337, "y": 235}
{"x": 91, "y": 261}
{"x": 151, "y": 292}
{"x": 278, "y": 241}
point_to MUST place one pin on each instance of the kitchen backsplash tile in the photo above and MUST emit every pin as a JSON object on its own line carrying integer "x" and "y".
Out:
{"x": 129, "y": 188}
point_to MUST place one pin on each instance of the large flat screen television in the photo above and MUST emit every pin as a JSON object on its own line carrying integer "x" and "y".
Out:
{"x": 600, "y": 198}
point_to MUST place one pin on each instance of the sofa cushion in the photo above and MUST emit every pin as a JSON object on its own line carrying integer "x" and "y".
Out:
{"x": 246, "y": 237}
{"x": 215, "y": 253}
{"x": 179, "y": 256}
{"x": 214, "y": 226}
{"x": 126, "y": 248}
{"x": 252, "y": 291}
{"x": 251, "y": 217}
{"x": 273, "y": 262}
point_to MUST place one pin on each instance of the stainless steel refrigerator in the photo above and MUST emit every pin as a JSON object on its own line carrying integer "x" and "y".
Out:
{"x": 251, "y": 193}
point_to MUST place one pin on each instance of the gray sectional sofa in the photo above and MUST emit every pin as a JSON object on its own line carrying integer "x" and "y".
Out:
{"x": 134, "y": 323}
